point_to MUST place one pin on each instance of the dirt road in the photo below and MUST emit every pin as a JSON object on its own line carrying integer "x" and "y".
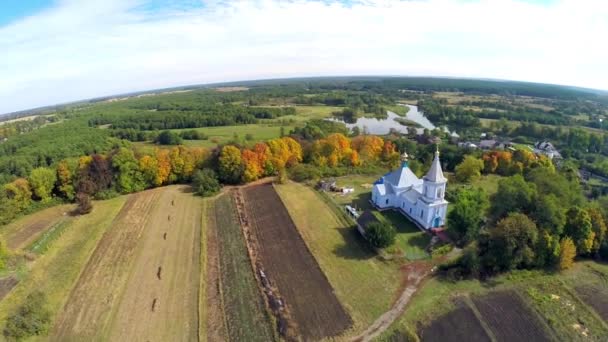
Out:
{"x": 415, "y": 274}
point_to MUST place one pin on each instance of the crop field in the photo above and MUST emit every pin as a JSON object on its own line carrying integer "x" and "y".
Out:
{"x": 160, "y": 299}
{"x": 309, "y": 297}
{"x": 142, "y": 281}
{"x": 25, "y": 230}
{"x": 236, "y": 306}
{"x": 460, "y": 324}
{"x": 566, "y": 314}
{"x": 90, "y": 307}
{"x": 57, "y": 270}
{"x": 596, "y": 297}
{"x": 509, "y": 318}
{"x": 364, "y": 284}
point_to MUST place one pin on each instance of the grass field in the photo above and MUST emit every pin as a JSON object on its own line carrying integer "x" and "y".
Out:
{"x": 57, "y": 270}
{"x": 365, "y": 285}
{"x": 245, "y": 317}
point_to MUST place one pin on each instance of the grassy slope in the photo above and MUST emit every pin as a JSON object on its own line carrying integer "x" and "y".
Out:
{"x": 246, "y": 316}
{"x": 365, "y": 285}
{"x": 56, "y": 271}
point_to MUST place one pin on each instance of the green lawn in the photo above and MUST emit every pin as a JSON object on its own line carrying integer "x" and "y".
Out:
{"x": 364, "y": 284}
{"x": 57, "y": 269}
{"x": 410, "y": 241}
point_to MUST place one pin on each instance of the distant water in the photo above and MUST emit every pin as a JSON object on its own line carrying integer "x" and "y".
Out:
{"x": 383, "y": 126}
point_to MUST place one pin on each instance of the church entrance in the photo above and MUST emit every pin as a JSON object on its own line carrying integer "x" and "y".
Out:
{"x": 436, "y": 222}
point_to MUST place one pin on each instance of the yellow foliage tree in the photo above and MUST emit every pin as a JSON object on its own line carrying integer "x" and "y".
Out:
{"x": 567, "y": 253}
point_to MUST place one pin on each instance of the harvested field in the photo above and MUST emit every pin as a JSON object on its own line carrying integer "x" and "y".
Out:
{"x": 160, "y": 300}
{"x": 25, "y": 230}
{"x": 242, "y": 315}
{"x": 6, "y": 285}
{"x": 596, "y": 297}
{"x": 509, "y": 318}
{"x": 95, "y": 297}
{"x": 460, "y": 324}
{"x": 288, "y": 263}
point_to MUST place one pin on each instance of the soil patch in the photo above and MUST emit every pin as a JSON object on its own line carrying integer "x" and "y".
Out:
{"x": 460, "y": 324}
{"x": 288, "y": 263}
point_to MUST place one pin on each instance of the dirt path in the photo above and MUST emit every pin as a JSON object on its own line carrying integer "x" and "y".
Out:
{"x": 216, "y": 330}
{"x": 416, "y": 273}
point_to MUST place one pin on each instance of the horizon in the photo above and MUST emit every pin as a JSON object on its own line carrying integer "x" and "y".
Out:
{"x": 65, "y": 51}
{"x": 240, "y": 82}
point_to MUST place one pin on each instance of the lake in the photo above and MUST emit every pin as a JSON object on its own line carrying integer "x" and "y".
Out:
{"x": 384, "y": 126}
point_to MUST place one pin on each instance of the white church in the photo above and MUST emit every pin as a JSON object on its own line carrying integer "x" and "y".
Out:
{"x": 420, "y": 200}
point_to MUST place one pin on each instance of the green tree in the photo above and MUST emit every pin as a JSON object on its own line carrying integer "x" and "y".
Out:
{"x": 598, "y": 225}
{"x": 549, "y": 214}
{"x": 129, "y": 177}
{"x": 469, "y": 169}
{"x": 230, "y": 165}
{"x": 510, "y": 244}
{"x": 168, "y": 138}
{"x": 42, "y": 181}
{"x": 513, "y": 195}
{"x": 380, "y": 235}
{"x": 580, "y": 229}
{"x": 468, "y": 213}
{"x": 567, "y": 254}
{"x": 4, "y": 254}
{"x": 548, "y": 249}
{"x": 205, "y": 183}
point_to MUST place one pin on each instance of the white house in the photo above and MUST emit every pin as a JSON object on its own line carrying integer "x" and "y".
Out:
{"x": 420, "y": 200}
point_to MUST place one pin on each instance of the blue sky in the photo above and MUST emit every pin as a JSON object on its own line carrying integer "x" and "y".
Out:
{"x": 67, "y": 50}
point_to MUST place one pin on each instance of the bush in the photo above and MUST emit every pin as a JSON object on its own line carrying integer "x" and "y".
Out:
{"x": 193, "y": 135}
{"x": 84, "y": 204}
{"x": 380, "y": 235}
{"x": 304, "y": 172}
{"x": 31, "y": 319}
{"x": 205, "y": 183}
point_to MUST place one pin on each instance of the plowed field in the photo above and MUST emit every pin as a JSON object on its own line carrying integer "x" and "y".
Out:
{"x": 287, "y": 261}
{"x": 457, "y": 325}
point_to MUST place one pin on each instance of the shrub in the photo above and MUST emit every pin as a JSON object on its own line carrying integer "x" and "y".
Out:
{"x": 205, "y": 183}
{"x": 304, "y": 172}
{"x": 567, "y": 253}
{"x": 380, "y": 235}
{"x": 84, "y": 204}
{"x": 31, "y": 319}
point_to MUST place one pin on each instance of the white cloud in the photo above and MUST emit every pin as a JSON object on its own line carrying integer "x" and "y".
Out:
{"x": 87, "y": 48}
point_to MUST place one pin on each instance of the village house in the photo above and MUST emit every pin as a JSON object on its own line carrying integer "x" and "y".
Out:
{"x": 547, "y": 148}
{"x": 420, "y": 200}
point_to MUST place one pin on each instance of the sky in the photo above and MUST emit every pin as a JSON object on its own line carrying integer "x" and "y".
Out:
{"x": 56, "y": 51}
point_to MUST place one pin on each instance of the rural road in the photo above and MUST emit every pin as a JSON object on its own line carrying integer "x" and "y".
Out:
{"x": 415, "y": 276}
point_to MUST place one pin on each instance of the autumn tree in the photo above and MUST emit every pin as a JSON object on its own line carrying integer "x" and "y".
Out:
{"x": 148, "y": 166}
{"x": 230, "y": 165}
{"x": 580, "y": 229}
{"x": 390, "y": 155}
{"x": 469, "y": 169}
{"x": 369, "y": 147}
{"x": 18, "y": 194}
{"x": 42, "y": 180}
{"x": 567, "y": 253}
{"x": 252, "y": 169}
{"x": 65, "y": 185}
{"x": 163, "y": 170}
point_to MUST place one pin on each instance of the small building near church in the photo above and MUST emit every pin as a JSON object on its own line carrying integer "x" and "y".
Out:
{"x": 420, "y": 200}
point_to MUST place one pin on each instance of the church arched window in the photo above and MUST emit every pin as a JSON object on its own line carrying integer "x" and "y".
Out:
{"x": 439, "y": 193}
